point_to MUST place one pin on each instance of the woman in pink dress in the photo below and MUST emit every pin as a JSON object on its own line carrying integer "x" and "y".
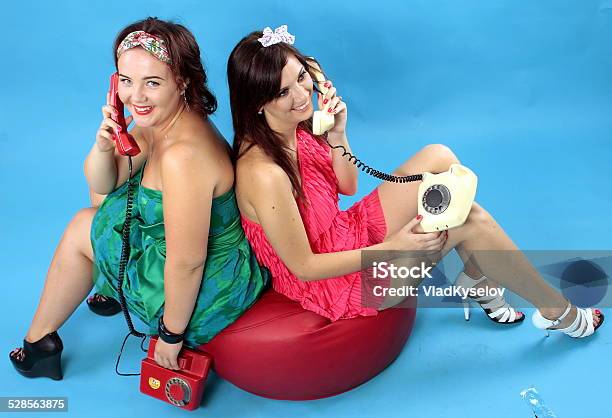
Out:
{"x": 287, "y": 186}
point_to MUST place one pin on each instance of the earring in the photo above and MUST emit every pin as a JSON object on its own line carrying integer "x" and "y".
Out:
{"x": 185, "y": 100}
{"x": 260, "y": 112}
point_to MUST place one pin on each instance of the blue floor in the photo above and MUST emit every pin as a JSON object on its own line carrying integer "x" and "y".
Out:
{"x": 521, "y": 91}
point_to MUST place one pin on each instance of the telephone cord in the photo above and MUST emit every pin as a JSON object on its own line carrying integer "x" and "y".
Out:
{"x": 125, "y": 253}
{"x": 372, "y": 171}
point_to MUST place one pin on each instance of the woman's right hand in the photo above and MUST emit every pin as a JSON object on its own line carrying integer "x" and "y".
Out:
{"x": 104, "y": 136}
{"x": 406, "y": 239}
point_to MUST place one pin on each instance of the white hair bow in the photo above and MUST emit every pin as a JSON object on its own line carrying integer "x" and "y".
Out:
{"x": 280, "y": 34}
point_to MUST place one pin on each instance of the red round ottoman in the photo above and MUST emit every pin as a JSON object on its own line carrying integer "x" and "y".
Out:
{"x": 279, "y": 350}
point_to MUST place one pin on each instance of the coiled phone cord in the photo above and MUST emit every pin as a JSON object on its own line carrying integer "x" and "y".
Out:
{"x": 123, "y": 260}
{"x": 372, "y": 171}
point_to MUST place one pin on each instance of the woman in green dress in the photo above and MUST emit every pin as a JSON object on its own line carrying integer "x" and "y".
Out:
{"x": 190, "y": 271}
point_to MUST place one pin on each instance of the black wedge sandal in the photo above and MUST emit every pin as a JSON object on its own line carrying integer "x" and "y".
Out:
{"x": 42, "y": 358}
{"x": 103, "y": 305}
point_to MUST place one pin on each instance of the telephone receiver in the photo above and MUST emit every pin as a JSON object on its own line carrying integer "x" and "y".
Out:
{"x": 126, "y": 144}
{"x": 322, "y": 120}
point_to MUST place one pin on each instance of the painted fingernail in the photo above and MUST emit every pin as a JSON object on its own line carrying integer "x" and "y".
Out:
{"x": 419, "y": 217}
{"x": 325, "y": 101}
{"x": 597, "y": 312}
{"x": 118, "y": 128}
{"x": 327, "y": 84}
{"x": 330, "y": 110}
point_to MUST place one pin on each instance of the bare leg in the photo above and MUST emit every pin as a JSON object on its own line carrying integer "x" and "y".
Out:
{"x": 497, "y": 256}
{"x": 69, "y": 278}
{"x": 470, "y": 267}
{"x": 480, "y": 232}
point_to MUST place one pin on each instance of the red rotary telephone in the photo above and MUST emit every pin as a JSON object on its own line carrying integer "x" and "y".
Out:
{"x": 183, "y": 388}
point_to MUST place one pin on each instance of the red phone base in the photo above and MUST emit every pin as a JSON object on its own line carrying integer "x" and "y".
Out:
{"x": 183, "y": 388}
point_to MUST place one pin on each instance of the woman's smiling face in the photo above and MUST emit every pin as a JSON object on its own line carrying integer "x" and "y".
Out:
{"x": 148, "y": 88}
{"x": 293, "y": 103}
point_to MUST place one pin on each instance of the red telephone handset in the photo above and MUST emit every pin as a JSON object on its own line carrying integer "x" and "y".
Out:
{"x": 126, "y": 144}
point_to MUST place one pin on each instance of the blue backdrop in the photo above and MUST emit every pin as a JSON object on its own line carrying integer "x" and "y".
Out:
{"x": 520, "y": 90}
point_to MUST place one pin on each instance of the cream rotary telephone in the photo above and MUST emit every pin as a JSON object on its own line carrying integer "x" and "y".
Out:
{"x": 445, "y": 199}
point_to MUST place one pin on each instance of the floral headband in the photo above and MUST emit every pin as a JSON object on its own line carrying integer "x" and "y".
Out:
{"x": 148, "y": 42}
{"x": 280, "y": 34}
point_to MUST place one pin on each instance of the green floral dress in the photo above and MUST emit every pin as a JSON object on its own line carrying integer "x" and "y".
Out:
{"x": 232, "y": 279}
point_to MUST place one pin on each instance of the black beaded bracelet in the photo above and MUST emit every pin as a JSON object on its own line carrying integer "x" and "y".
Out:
{"x": 168, "y": 336}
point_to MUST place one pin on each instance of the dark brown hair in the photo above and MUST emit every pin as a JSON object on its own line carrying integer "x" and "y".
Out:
{"x": 254, "y": 78}
{"x": 185, "y": 56}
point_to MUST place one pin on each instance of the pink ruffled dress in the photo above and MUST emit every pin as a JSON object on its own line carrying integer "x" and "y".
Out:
{"x": 329, "y": 230}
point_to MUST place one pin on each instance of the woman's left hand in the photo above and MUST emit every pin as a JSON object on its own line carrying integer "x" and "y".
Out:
{"x": 166, "y": 354}
{"x": 336, "y": 107}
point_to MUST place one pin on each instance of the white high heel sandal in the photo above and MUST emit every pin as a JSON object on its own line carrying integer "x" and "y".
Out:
{"x": 580, "y": 328}
{"x": 496, "y": 308}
